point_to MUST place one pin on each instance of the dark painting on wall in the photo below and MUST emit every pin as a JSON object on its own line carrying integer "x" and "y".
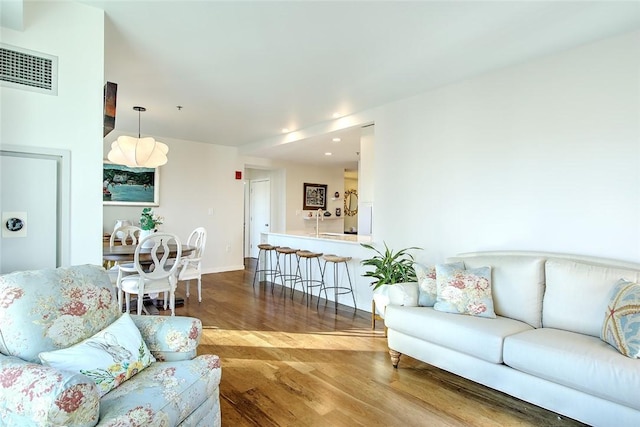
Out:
{"x": 109, "y": 122}
{"x": 314, "y": 196}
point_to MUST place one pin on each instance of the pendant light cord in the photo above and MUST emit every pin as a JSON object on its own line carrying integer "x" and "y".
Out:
{"x": 139, "y": 110}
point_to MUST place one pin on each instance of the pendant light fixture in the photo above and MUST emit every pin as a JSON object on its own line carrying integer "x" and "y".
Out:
{"x": 138, "y": 152}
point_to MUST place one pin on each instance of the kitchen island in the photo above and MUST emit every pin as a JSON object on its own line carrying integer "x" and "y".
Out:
{"x": 337, "y": 244}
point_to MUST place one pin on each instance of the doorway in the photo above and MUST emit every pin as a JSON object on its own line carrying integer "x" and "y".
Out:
{"x": 34, "y": 201}
{"x": 259, "y": 213}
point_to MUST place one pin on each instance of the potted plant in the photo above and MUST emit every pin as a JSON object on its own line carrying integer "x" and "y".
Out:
{"x": 149, "y": 221}
{"x": 395, "y": 277}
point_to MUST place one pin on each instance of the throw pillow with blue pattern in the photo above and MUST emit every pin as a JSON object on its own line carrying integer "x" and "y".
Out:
{"x": 621, "y": 326}
{"x": 427, "y": 287}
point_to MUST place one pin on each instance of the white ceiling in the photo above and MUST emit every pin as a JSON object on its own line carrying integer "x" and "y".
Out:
{"x": 243, "y": 70}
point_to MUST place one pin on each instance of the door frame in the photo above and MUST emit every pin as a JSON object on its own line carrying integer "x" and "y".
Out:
{"x": 63, "y": 199}
{"x": 251, "y": 199}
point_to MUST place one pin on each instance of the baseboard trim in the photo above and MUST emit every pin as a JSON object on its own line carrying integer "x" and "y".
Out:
{"x": 223, "y": 269}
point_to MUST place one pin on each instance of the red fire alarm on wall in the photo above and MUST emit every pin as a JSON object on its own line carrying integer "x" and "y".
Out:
{"x": 238, "y": 174}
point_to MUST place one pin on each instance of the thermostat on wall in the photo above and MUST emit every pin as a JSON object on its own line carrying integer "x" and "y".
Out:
{"x": 14, "y": 224}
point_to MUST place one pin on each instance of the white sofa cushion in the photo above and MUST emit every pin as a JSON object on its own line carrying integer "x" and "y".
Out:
{"x": 575, "y": 360}
{"x": 517, "y": 284}
{"x": 477, "y": 336}
{"x": 577, "y": 294}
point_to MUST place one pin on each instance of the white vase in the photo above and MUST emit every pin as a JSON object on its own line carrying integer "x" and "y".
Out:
{"x": 120, "y": 223}
{"x": 396, "y": 294}
{"x": 145, "y": 233}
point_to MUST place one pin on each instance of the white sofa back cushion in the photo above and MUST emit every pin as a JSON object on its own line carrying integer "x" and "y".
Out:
{"x": 517, "y": 284}
{"x": 577, "y": 294}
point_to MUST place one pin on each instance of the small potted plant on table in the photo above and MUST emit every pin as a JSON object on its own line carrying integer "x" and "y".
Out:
{"x": 149, "y": 222}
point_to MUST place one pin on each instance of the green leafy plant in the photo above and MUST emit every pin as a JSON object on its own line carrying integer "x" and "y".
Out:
{"x": 390, "y": 267}
{"x": 148, "y": 220}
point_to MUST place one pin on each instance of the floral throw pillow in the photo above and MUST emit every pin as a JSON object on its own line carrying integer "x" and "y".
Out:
{"x": 621, "y": 326}
{"x": 109, "y": 358}
{"x": 464, "y": 291}
{"x": 427, "y": 287}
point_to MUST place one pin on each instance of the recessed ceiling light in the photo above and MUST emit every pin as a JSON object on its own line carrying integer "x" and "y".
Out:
{"x": 327, "y": 154}
{"x": 285, "y": 130}
{"x": 336, "y": 115}
{"x": 336, "y": 140}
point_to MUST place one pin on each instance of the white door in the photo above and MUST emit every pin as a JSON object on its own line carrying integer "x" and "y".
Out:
{"x": 29, "y": 191}
{"x": 259, "y": 213}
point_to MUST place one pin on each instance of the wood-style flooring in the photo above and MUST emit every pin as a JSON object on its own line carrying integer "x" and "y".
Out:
{"x": 288, "y": 364}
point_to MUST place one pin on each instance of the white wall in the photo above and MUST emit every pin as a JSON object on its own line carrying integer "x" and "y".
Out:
{"x": 366, "y": 175}
{"x": 287, "y": 180}
{"x": 72, "y": 120}
{"x": 297, "y": 175}
{"x": 198, "y": 177}
{"x": 541, "y": 156}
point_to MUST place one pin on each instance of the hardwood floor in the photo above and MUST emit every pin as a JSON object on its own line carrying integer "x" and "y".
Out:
{"x": 286, "y": 364}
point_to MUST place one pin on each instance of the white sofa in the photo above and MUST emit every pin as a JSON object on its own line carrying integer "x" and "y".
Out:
{"x": 544, "y": 346}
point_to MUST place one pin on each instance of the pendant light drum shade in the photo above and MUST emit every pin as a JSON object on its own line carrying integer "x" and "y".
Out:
{"x": 138, "y": 152}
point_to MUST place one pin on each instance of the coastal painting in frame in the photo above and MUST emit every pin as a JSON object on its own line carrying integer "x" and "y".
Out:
{"x": 315, "y": 197}
{"x": 124, "y": 185}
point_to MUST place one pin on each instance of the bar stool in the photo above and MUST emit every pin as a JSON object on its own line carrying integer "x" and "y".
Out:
{"x": 266, "y": 250}
{"x": 305, "y": 263}
{"x": 286, "y": 275}
{"x": 338, "y": 289}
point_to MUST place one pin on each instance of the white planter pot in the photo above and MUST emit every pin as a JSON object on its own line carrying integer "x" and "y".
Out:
{"x": 397, "y": 294}
{"x": 145, "y": 233}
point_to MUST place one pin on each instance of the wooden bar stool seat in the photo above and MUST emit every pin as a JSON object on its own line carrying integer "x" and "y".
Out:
{"x": 338, "y": 288}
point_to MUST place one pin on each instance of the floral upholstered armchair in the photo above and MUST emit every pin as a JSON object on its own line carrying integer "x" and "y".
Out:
{"x": 68, "y": 357}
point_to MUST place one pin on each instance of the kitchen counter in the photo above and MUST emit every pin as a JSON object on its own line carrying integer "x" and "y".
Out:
{"x": 337, "y": 244}
{"x": 341, "y": 237}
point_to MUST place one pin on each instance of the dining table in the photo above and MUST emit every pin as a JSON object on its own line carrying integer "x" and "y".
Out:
{"x": 125, "y": 253}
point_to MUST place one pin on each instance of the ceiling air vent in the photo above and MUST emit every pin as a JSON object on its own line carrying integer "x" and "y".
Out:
{"x": 28, "y": 70}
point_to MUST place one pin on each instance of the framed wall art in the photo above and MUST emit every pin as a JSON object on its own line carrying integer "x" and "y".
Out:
{"x": 314, "y": 197}
{"x": 109, "y": 108}
{"x": 124, "y": 185}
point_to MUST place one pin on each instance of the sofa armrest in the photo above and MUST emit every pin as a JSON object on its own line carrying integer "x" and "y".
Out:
{"x": 170, "y": 338}
{"x": 37, "y": 395}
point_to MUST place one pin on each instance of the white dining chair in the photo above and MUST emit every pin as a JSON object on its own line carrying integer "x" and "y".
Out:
{"x": 126, "y": 235}
{"x": 154, "y": 275}
{"x": 191, "y": 266}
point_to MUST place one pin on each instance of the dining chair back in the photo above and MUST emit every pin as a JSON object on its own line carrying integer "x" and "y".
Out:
{"x": 191, "y": 267}
{"x": 156, "y": 268}
{"x": 126, "y": 235}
